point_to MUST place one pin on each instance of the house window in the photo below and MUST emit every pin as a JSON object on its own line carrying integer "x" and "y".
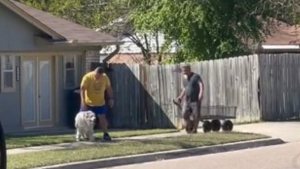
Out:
{"x": 70, "y": 71}
{"x": 8, "y": 73}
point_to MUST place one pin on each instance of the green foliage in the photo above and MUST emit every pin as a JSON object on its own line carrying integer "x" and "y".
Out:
{"x": 203, "y": 29}
{"x": 206, "y": 29}
{"x": 89, "y": 13}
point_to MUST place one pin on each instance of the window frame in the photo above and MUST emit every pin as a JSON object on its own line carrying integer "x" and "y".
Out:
{"x": 2, "y": 60}
{"x": 65, "y": 59}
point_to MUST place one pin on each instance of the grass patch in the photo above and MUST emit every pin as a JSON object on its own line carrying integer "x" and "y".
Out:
{"x": 121, "y": 148}
{"x": 29, "y": 141}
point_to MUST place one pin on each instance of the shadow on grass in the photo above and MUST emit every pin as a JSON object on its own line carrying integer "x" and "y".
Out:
{"x": 156, "y": 144}
{"x": 178, "y": 142}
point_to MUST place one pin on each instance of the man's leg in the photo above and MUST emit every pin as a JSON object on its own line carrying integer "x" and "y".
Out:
{"x": 186, "y": 113}
{"x": 196, "y": 107}
{"x": 101, "y": 114}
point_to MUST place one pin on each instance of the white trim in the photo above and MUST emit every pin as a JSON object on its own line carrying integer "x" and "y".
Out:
{"x": 74, "y": 56}
{"x": 22, "y": 90}
{"x": 56, "y": 87}
{"x": 38, "y": 127}
{"x": 13, "y": 88}
{"x": 76, "y": 43}
{"x": 38, "y": 123}
{"x": 280, "y": 46}
{"x": 48, "y": 61}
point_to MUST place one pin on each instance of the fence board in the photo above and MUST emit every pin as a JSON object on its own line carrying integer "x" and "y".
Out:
{"x": 144, "y": 93}
{"x": 281, "y": 88}
{"x": 280, "y": 80}
{"x": 205, "y": 76}
{"x": 272, "y": 87}
{"x": 297, "y": 84}
{"x": 256, "y": 110}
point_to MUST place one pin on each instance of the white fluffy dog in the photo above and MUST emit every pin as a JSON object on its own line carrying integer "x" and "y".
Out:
{"x": 84, "y": 123}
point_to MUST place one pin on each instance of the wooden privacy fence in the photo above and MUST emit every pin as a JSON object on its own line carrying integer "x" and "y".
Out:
{"x": 280, "y": 86}
{"x": 143, "y": 93}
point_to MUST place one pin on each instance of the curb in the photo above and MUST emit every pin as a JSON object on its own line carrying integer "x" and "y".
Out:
{"x": 167, "y": 155}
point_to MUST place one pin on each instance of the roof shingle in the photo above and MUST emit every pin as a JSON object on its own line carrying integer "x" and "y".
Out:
{"x": 65, "y": 28}
{"x": 284, "y": 34}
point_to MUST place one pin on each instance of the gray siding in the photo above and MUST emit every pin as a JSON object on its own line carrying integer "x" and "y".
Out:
{"x": 61, "y": 99}
{"x": 91, "y": 56}
{"x": 10, "y": 105}
{"x": 15, "y": 32}
{"x": 10, "y": 112}
{"x": 17, "y": 37}
{"x": 64, "y": 93}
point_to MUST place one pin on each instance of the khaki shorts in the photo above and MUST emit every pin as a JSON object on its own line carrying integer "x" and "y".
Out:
{"x": 193, "y": 109}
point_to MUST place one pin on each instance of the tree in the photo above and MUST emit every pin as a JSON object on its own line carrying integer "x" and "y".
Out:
{"x": 201, "y": 29}
{"x": 89, "y": 13}
{"x": 209, "y": 29}
{"x": 123, "y": 28}
{"x": 109, "y": 16}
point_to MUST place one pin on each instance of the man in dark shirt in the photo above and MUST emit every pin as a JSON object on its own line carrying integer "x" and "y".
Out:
{"x": 193, "y": 93}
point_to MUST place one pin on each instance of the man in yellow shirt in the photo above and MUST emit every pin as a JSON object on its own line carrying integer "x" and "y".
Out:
{"x": 93, "y": 86}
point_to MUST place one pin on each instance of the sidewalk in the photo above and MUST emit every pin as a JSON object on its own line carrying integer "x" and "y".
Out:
{"x": 287, "y": 131}
{"x": 81, "y": 144}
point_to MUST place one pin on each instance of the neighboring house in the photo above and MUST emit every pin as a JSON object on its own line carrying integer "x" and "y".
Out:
{"x": 42, "y": 58}
{"x": 284, "y": 38}
{"x": 129, "y": 52}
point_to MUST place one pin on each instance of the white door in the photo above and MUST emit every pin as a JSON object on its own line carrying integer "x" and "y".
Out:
{"x": 37, "y": 88}
{"x": 28, "y": 93}
{"x": 45, "y": 84}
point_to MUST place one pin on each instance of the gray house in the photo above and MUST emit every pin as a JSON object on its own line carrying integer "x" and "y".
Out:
{"x": 42, "y": 57}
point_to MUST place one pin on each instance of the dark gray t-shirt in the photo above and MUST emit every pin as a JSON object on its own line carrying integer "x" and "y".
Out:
{"x": 192, "y": 88}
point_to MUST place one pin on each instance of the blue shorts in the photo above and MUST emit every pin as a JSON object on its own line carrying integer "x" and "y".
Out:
{"x": 98, "y": 110}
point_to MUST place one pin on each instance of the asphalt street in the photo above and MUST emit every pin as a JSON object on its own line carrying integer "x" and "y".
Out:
{"x": 286, "y": 156}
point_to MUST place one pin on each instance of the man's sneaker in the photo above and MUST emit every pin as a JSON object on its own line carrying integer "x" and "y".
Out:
{"x": 106, "y": 137}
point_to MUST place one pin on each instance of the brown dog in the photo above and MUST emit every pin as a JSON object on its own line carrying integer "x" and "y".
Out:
{"x": 188, "y": 124}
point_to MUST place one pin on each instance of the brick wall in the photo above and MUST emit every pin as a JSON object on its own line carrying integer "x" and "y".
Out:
{"x": 91, "y": 56}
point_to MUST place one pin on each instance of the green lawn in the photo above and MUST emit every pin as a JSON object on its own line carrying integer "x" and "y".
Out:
{"x": 20, "y": 142}
{"x": 121, "y": 148}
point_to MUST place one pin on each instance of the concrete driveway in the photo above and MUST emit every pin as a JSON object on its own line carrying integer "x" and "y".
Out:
{"x": 287, "y": 131}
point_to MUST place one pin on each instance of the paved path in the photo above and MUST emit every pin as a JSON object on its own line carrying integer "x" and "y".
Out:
{"x": 286, "y": 156}
{"x": 287, "y": 131}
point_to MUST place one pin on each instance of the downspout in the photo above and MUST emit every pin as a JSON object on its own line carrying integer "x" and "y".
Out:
{"x": 112, "y": 54}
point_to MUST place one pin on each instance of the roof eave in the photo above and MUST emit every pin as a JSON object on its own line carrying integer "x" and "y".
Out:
{"x": 280, "y": 47}
{"x": 76, "y": 43}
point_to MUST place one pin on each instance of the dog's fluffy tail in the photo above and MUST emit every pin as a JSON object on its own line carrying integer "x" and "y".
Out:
{"x": 76, "y": 122}
{"x": 76, "y": 125}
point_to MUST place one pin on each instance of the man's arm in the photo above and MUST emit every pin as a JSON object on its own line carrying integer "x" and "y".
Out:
{"x": 110, "y": 92}
{"x": 201, "y": 87}
{"x": 201, "y": 93}
{"x": 182, "y": 94}
{"x": 109, "y": 89}
{"x": 82, "y": 94}
{"x": 83, "y": 87}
